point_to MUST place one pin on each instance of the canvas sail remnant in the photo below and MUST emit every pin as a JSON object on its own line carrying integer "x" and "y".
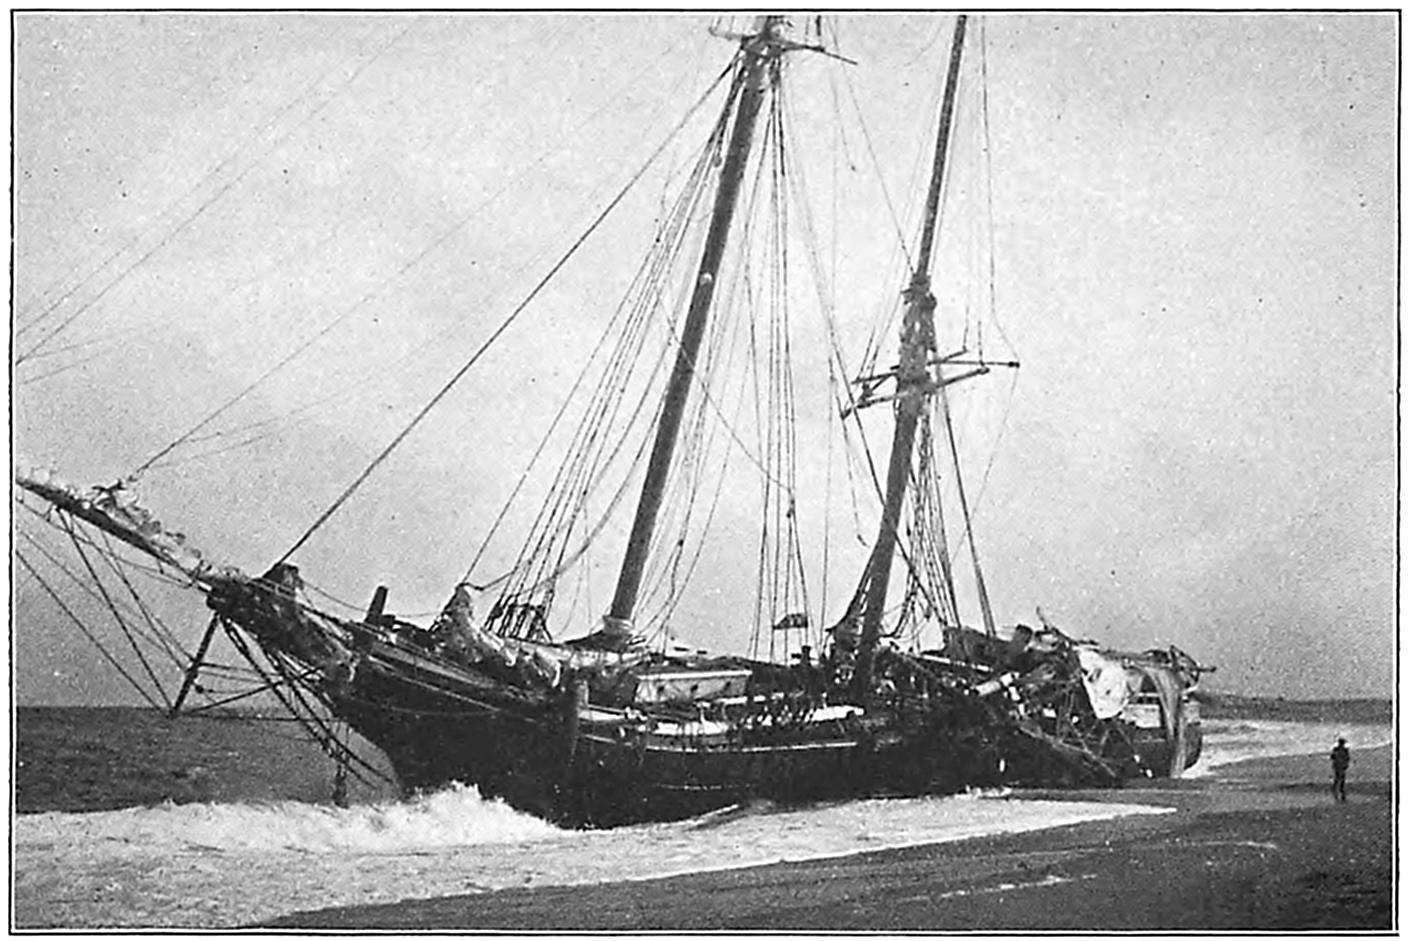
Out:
{"x": 1105, "y": 681}
{"x": 115, "y": 509}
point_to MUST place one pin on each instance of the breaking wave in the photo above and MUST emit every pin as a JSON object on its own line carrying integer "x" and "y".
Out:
{"x": 455, "y": 816}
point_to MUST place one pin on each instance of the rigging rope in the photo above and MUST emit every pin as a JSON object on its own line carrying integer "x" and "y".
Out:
{"x": 163, "y": 635}
{"x": 357, "y": 305}
{"x": 665, "y": 576}
{"x": 59, "y": 370}
{"x": 102, "y": 589}
{"x": 308, "y": 718}
{"x": 168, "y": 643}
{"x": 998, "y": 437}
{"x": 871, "y": 151}
{"x": 931, "y": 544}
{"x": 34, "y": 573}
{"x": 989, "y": 183}
{"x": 827, "y": 294}
{"x": 157, "y": 571}
{"x": 508, "y": 321}
{"x": 121, "y": 275}
{"x": 388, "y": 373}
{"x": 539, "y": 564}
{"x": 665, "y": 579}
{"x": 783, "y": 587}
{"x": 846, "y": 400}
{"x": 170, "y": 209}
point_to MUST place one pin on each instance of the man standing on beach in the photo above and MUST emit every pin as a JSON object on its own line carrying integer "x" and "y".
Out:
{"x": 1341, "y": 758}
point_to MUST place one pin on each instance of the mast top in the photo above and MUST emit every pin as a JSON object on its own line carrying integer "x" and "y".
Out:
{"x": 771, "y": 30}
{"x": 768, "y": 27}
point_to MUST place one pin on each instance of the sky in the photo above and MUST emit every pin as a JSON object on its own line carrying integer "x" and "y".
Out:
{"x": 1190, "y": 221}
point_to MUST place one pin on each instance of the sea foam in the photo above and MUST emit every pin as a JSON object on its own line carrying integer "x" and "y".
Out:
{"x": 456, "y": 816}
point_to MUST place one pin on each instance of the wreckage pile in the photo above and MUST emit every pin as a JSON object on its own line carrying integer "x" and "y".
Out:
{"x": 1089, "y": 714}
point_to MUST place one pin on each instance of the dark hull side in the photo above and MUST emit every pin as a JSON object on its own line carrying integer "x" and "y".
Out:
{"x": 537, "y": 758}
{"x": 534, "y": 753}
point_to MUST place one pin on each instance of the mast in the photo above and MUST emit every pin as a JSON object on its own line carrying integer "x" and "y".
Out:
{"x": 751, "y": 82}
{"x": 913, "y": 385}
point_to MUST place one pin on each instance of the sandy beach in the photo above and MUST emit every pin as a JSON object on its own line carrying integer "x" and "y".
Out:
{"x": 1260, "y": 847}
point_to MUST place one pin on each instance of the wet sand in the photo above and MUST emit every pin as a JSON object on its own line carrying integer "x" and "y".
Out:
{"x": 1260, "y": 846}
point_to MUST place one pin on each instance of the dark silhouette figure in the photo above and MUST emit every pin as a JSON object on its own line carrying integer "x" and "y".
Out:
{"x": 1341, "y": 758}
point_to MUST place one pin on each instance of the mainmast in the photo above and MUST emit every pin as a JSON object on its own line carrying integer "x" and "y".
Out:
{"x": 759, "y": 55}
{"x": 914, "y": 384}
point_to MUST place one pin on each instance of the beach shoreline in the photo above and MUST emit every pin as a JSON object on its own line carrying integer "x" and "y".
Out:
{"x": 259, "y": 846}
{"x": 1260, "y": 847}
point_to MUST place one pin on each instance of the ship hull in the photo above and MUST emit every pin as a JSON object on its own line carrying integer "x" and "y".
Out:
{"x": 548, "y": 757}
{"x": 594, "y": 767}
{"x": 585, "y": 736}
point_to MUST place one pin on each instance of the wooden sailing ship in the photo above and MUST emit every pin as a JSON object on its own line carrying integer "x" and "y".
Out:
{"x": 611, "y": 728}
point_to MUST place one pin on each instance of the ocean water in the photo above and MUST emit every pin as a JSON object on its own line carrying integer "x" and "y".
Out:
{"x": 211, "y": 824}
{"x": 1228, "y": 741}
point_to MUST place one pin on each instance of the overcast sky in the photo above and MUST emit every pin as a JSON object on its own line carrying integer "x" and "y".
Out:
{"x": 1194, "y": 224}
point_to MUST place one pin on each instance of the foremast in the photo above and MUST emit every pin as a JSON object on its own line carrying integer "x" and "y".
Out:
{"x": 760, "y": 54}
{"x": 914, "y": 384}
